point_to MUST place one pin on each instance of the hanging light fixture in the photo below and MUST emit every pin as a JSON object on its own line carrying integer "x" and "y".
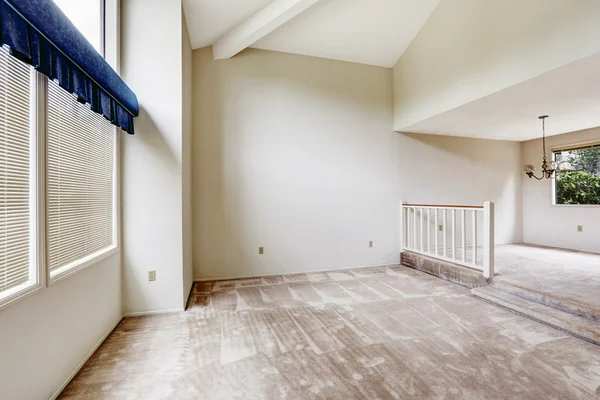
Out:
{"x": 547, "y": 170}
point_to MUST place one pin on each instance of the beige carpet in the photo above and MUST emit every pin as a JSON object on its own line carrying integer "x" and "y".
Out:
{"x": 565, "y": 274}
{"x": 379, "y": 333}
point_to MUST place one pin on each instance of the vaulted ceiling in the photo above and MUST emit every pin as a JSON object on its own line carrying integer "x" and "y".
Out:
{"x": 374, "y": 32}
{"x": 378, "y": 32}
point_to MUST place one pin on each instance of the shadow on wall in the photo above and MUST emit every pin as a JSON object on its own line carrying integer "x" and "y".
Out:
{"x": 157, "y": 171}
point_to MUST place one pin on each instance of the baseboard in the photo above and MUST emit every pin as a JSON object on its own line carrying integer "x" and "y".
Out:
{"x": 87, "y": 357}
{"x": 154, "y": 312}
{"x": 543, "y": 246}
{"x": 226, "y": 278}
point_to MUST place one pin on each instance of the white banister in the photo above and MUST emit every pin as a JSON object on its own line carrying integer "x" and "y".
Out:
{"x": 414, "y": 210}
{"x": 421, "y": 230}
{"x": 488, "y": 239}
{"x": 453, "y": 233}
{"x": 474, "y": 229}
{"x": 429, "y": 230}
{"x": 444, "y": 230}
{"x": 437, "y": 231}
{"x": 403, "y": 226}
{"x": 463, "y": 236}
{"x": 476, "y": 247}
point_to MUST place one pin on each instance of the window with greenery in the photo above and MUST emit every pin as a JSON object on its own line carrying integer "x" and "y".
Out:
{"x": 578, "y": 176}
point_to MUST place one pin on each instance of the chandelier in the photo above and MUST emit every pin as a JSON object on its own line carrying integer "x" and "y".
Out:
{"x": 547, "y": 169}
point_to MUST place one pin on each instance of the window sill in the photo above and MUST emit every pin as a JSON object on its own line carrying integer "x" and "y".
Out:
{"x": 18, "y": 293}
{"x": 79, "y": 265}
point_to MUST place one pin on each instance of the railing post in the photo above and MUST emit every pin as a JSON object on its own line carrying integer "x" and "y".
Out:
{"x": 437, "y": 233}
{"x": 463, "y": 235}
{"x": 445, "y": 213}
{"x": 429, "y": 230}
{"x": 402, "y": 227}
{"x": 474, "y": 223}
{"x": 488, "y": 239}
{"x": 421, "y": 230}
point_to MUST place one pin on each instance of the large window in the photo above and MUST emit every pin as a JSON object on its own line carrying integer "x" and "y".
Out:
{"x": 80, "y": 166}
{"x": 17, "y": 173}
{"x": 578, "y": 176}
{"x": 80, "y": 182}
{"x": 58, "y": 177}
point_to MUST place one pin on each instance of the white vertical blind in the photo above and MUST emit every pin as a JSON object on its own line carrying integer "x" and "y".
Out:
{"x": 15, "y": 172}
{"x": 80, "y": 180}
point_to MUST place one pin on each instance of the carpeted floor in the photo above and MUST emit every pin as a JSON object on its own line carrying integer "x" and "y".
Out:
{"x": 565, "y": 274}
{"x": 378, "y": 333}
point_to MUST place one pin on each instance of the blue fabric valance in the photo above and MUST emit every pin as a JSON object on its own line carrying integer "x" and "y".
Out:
{"x": 39, "y": 33}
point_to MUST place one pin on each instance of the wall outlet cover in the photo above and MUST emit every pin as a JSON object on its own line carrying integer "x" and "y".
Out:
{"x": 579, "y": 228}
{"x": 151, "y": 276}
{"x": 261, "y": 250}
{"x": 370, "y": 243}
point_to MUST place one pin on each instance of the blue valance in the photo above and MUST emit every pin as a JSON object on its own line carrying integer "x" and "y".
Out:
{"x": 39, "y": 34}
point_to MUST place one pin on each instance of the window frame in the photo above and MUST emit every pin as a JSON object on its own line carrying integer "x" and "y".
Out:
{"x": 41, "y": 277}
{"x": 37, "y": 265}
{"x": 569, "y": 147}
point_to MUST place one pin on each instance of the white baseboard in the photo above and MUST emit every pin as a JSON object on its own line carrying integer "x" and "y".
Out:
{"x": 86, "y": 358}
{"x": 226, "y": 278}
{"x": 154, "y": 312}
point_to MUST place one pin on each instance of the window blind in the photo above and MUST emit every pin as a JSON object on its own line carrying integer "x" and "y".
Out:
{"x": 80, "y": 180}
{"x": 15, "y": 173}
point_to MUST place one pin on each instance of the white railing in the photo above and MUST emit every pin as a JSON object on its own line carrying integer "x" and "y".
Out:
{"x": 431, "y": 230}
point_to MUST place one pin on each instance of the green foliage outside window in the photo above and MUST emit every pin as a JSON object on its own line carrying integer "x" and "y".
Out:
{"x": 577, "y": 187}
{"x": 579, "y": 182}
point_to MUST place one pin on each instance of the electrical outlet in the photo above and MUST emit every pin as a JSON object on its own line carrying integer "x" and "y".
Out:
{"x": 370, "y": 243}
{"x": 151, "y": 276}
{"x": 579, "y": 228}
{"x": 441, "y": 228}
{"x": 261, "y": 250}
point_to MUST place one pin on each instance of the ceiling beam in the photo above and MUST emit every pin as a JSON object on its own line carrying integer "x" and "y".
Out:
{"x": 258, "y": 26}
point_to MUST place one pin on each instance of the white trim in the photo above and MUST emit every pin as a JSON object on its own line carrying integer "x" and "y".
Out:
{"x": 62, "y": 387}
{"x": 294, "y": 273}
{"x": 574, "y": 146}
{"x": 37, "y": 272}
{"x": 41, "y": 222}
{"x": 81, "y": 264}
{"x": 20, "y": 292}
{"x": 155, "y": 312}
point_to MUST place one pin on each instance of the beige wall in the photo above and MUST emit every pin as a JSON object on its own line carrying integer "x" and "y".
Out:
{"x": 550, "y": 225}
{"x": 46, "y": 336}
{"x": 297, "y": 154}
{"x": 187, "y": 159}
{"x": 152, "y": 159}
{"x": 472, "y": 48}
{"x": 452, "y": 170}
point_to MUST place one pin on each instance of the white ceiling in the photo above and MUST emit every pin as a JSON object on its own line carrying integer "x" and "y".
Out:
{"x": 568, "y": 94}
{"x": 374, "y": 32}
{"x": 208, "y": 20}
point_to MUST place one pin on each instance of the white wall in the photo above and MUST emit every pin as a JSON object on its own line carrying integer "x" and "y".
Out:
{"x": 45, "y": 337}
{"x": 152, "y": 159}
{"x": 297, "y": 154}
{"x": 187, "y": 159}
{"x": 549, "y": 225}
{"x": 472, "y": 48}
{"x": 450, "y": 170}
